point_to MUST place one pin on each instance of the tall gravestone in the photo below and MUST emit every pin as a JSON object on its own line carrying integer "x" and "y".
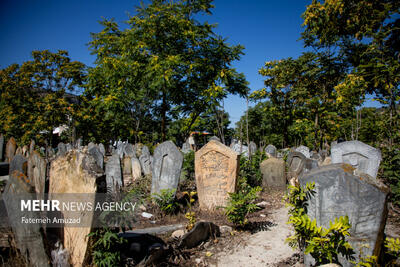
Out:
{"x": 37, "y": 173}
{"x": 339, "y": 193}
{"x": 216, "y": 138}
{"x": 216, "y": 170}
{"x": 19, "y": 163}
{"x": 273, "y": 171}
{"x": 1, "y": 146}
{"x": 361, "y": 156}
{"x": 129, "y": 151}
{"x": 97, "y": 155}
{"x": 145, "y": 160}
{"x": 28, "y": 236}
{"x": 167, "y": 166}
{"x": 61, "y": 149}
{"x": 136, "y": 169}
{"x": 252, "y": 148}
{"x": 102, "y": 149}
{"x": 270, "y": 150}
{"x": 305, "y": 150}
{"x": 75, "y": 173}
{"x": 11, "y": 148}
{"x": 31, "y": 146}
{"x": 113, "y": 175}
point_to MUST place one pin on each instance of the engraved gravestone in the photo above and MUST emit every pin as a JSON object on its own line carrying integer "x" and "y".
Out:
{"x": 136, "y": 169}
{"x": 31, "y": 146}
{"x": 339, "y": 193}
{"x": 90, "y": 145}
{"x": 97, "y": 155}
{"x": 113, "y": 175}
{"x": 166, "y": 167}
{"x": 37, "y": 173}
{"x": 186, "y": 147}
{"x": 28, "y": 236}
{"x": 120, "y": 149}
{"x": 270, "y": 150}
{"x": 240, "y": 149}
{"x": 305, "y": 150}
{"x": 216, "y": 170}
{"x": 296, "y": 162}
{"x": 145, "y": 160}
{"x": 127, "y": 170}
{"x": 273, "y": 171}
{"x": 361, "y": 156}
{"x": 11, "y": 147}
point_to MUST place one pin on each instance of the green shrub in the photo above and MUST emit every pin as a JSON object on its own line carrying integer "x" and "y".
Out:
{"x": 241, "y": 204}
{"x": 250, "y": 168}
{"x": 323, "y": 244}
{"x": 105, "y": 248}
{"x": 393, "y": 249}
{"x": 390, "y": 173}
{"x": 188, "y": 164}
{"x": 166, "y": 201}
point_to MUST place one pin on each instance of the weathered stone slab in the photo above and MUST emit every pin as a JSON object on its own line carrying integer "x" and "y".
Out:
{"x": 31, "y": 146}
{"x": 90, "y": 145}
{"x": 186, "y": 147}
{"x": 121, "y": 149}
{"x": 1, "y": 147}
{"x": 102, "y": 149}
{"x": 252, "y": 148}
{"x": 167, "y": 166}
{"x": 339, "y": 193}
{"x": 11, "y": 148}
{"x": 28, "y": 237}
{"x": 37, "y": 173}
{"x": 97, "y": 155}
{"x": 127, "y": 170}
{"x": 61, "y": 149}
{"x": 113, "y": 175}
{"x": 273, "y": 171}
{"x": 25, "y": 151}
{"x": 270, "y": 150}
{"x": 241, "y": 149}
{"x": 305, "y": 150}
{"x": 145, "y": 160}
{"x": 296, "y": 162}
{"x": 136, "y": 169}
{"x": 361, "y": 156}
{"x": 129, "y": 150}
{"x": 75, "y": 172}
{"x": 19, "y": 163}
{"x": 216, "y": 138}
{"x": 216, "y": 170}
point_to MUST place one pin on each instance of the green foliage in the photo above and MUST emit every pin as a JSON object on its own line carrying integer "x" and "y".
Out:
{"x": 241, "y": 204}
{"x": 393, "y": 248}
{"x": 250, "y": 169}
{"x": 390, "y": 172}
{"x": 323, "y": 244}
{"x": 105, "y": 247}
{"x": 188, "y": 164}
{"x": 166, "y": 201}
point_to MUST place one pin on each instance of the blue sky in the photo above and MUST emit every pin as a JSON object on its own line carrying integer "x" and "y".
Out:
{"x": 268, "y": 30}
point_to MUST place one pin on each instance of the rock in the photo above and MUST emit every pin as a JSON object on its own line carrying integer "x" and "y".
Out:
{"x": 142, "y": 207}
{"x": 225, "y": 229}
{"x": 216, "y": 170}
{"x": 178, "y": 233}
{"x": 262, "y": 204}
{"x": 273, "y": 171}
{"x": 75, "y": 173}
{"x": 201, "y": 232}
{"x": 146, "y": 215}
{"x": 166, "y": 167}
{"x": 361, "y": 198}
{"x": 11, "y": 148}
{"x": 361, "y": 156}
{"x": 270, "y": 150}
{"x": 263, "y": 215}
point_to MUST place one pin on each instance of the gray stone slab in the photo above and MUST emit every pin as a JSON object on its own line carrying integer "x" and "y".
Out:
{"x": 270, "y": 150}
{"x": 339, "y": 193}
{"x": 145, "y": 160}
{"x": 113, "y": 175}
{"x": 273, "y": 171}
{"x": 167, "y": 164}
{"x": 11, "y": 148}
{"x": 361, "y": 156}
{"x": 252, "y": 147}
{"x": 241, "y": 149}
{"x": 31, "y": 146}
{"x": 157, "y": 230}
{"x": 102, "y": 149}
{"x": 129, "y": 150}
{"x": 97, "y": 155}
{"x": 216, "y": 138}
{"x": 19, "y": 163}
{"x": 305, "y": 150}
{"x": 61, "y": 149}
{"x": 37, "y": 173}
{"x": 90, "y": 145}
{"x": 186, "y": 148}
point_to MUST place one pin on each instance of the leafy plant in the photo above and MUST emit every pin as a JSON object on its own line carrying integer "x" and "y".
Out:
{"x": 190, "y": 215}
{"x": 241, "y": 204}
{"x": 323, "y": 244}
{"x": 250, "y": 168}
{"x": 390, "y": 172}
{"x": 105, "y": 247}
{"x": 393, "y": 248}
{"x": 188, "y": 164}
{"x": 166, "y": 201}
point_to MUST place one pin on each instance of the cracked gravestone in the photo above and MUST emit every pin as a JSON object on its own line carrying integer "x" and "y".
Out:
{"x": 167, "y": 166}
{"x": 216, "y": 170}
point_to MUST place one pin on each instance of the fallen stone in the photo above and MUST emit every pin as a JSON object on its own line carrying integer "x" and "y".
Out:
{"x": 201, "y": 232}
{"x": 178, "y": 233}
{"x": 225, "y": 229}
{"x": 146, "y": 215}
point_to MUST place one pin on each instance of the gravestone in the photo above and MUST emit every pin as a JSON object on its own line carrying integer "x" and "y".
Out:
{"x": 1, "y": 146}
{"x": 37, "y": 173}
{"x": 145, "y": 160}
{"x": 19, "y": 151}
{"x": 90, "y": 145}
{"x": 11, "y": 147}
{"x": 113, "y": 175}
{"x": 127, "y": 170}
{"x": 102, "y": 149}
{"x": 61, "y": 149}
{"x": 315, "y": 155}
{"x": 186, "y": 147}
{"x": 97, "y": 155}
{"x": 296, "y": 162}
{"x": 216, "y": 170}
{"x": 361, "y": 156}
{"x": 19, "y": 163}
{"x": 129, "y": 151}
{"x": 121, "y": 149}
{"x": 167, "y": 166}
{"x": 305, "y": 150}
{"x": 25, "y": 151}
{"x": 216, "y": 138}
{"x": 339, "y": 193}
{"x": 31, "y": 146}
{"x": 241, "y": 149}
{"x": 253, "y": 148}
{"x": 28, "y": 236}
{"x": 270, "y": 150}
{"x": 75, "y": 172}
{"x": 273, "y": 171}
{"x": 68, "y": 147}
{"x": 136, "y": 169}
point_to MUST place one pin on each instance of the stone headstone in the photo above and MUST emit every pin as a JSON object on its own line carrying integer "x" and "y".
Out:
{"x": 323, "y": 153}
{"x": 75, "y": 172}
{"x": 273, "y": 171}
{"x": 68, "y": 147}
{"x": 61, "y": 149}
{"x": 361, "y": 156}
{"x": 102, "y": 149}
{"x": 339, "y": 193}
{"x": 28, "y": 237}
{"x": 1, "y": 146}
{"x": 327, "y": 161}
{"x": 253, "y": 148}
{"x": 37, "y": 173}
{"x": 129, "y": 151}
{"x": 127, "y": 170}
{"x": 19, "y": 151}
{"x": 31, "y": 146}
{"x": 90, "y": 145}
{"x": 19, "y": 163}
{"x": 145, "y": 160}
{"x": 113, "y": 175}
{"x": 121, "y": 149}
{"x": 186, "y": 148}
{"x": 216, "y": 138}
{"x": 296, "y": 162}
{"x": 136, "y": 169}
{"x": 167, "y": 166}
{"x": 305, "y": 150}
{"x": 216, "y": 170}
{"x": 25, "y": 151}
{"x": 97, "y": 155}
{"x": 11, "y": 147}
{"x": 270, "y": 150}
{"x": 241, "y": 149}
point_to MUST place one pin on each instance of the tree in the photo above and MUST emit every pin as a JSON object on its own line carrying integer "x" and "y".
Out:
{"x": 165, "y": 60}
